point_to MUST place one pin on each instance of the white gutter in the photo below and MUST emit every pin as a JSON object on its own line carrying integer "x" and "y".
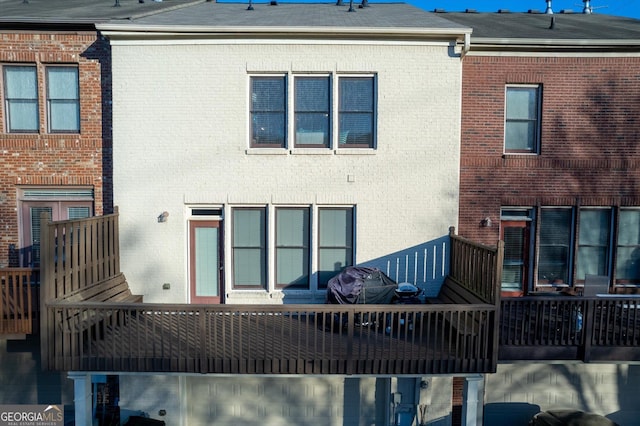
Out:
{"x": 480, "y": 46}
{"x": 116, "y": 30}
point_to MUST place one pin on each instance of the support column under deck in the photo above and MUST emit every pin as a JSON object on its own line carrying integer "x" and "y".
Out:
{"x": 82, "y": 400}
{"x": 473, "y": 397}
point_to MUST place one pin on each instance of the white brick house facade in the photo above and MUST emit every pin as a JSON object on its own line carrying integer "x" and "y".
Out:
{"x": 181, "y": 132}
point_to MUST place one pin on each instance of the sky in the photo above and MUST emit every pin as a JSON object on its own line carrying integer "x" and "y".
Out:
{"x": 630, "y": 8}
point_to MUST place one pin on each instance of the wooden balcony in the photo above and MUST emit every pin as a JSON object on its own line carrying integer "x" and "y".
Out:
{"x": 433, "y": 338}
{"x": 570, "y": 328}
{"x": 282, "y": 339}
{"x": 80, "y": 333}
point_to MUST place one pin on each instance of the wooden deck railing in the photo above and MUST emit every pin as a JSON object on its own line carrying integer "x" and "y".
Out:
{"x": 570, "y": 328}
{"x": 281, "y": 339}
{"x": 74, "y": 255}
{"x": 232, "y": 339}
{"x": 19, "y": 300}
{"x": 477, "y": 267}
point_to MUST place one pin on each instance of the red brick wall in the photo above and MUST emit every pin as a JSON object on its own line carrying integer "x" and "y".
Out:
{"x": 44, "y": 159}
{"x": 590, "y": 137}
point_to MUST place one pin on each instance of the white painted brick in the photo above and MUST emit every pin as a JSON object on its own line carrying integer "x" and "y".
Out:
{"x": 180, "y": 134}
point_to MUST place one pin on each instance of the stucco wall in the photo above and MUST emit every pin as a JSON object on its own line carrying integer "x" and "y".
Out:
{"x": 181, "y": 138}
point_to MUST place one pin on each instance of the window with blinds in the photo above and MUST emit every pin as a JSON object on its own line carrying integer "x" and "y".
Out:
{"x": 312, "y": 112}
{"x": 554, "y": 256}
{"x": 356, "y": 112}
{"x": 268, "y": 112}
{"x": 321, "y": 119}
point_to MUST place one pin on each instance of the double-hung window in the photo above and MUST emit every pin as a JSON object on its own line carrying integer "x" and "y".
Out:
{"x": 312, "y": 112}
{"x": 292, "y": 247}
{"x": 330, "y": 111}
{"x": 554, "y": 257}
{"x": 21, "y": 98}
{"x": 356, "y": 115}
{"x": 335, "y": 242}
{"x": 522, "y": 119}
{"x": 268, "y": 112}
{"x": 594, "y": 239}
{"x": 249, "y": 248}
{"x": 63, "y": 99}
{"x": 304, "y": 246}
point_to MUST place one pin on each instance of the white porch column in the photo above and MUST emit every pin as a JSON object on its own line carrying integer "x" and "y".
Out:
{"x": 82, "y": 402}
{"x": 473, "y": 395}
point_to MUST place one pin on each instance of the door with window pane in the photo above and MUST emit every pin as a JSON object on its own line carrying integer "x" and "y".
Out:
{"x": 31, "y": 224}
{"x": 205, "y": 262}
{"x": 515, "y": 271}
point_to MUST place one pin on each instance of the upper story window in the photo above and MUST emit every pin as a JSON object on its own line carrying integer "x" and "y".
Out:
{"x": 327, "y": 111}
{"x": 356, "y": 112}
{"x": 21, "y": 98}
{"x": 522, "y": 119}
{"x": 312, "y": 112}
{"x": 63, "y": 99}
{"x": 268, "y": 112}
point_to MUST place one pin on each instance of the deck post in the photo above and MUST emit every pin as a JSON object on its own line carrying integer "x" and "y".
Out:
{"x": 82, "y": 399}
{"x": 472, "y": 397}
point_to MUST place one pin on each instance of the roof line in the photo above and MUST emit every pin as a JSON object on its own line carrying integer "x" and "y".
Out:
{"x": 129, "y": 29}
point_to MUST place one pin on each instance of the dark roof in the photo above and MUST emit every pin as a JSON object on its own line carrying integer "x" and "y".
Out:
{"x": 538, "y": 26}
{"x": 391, "y": 16}
{"x": 81, "y": 11}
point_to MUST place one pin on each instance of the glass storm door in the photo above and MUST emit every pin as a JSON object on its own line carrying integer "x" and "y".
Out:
{"x": 515, "y": 235}
{"x": 205, "y": 261}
